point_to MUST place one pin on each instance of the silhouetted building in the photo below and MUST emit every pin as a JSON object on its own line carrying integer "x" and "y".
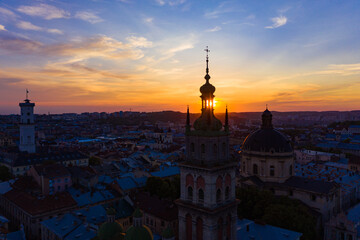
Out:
{"x": 207, "y": 204}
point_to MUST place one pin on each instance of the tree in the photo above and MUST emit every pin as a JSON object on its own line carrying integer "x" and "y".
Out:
{"x": 4, "y": 173}
{"x": 163, "y": 188}
{"x": 277, "y": 211}
{"x": 94, "y": 161}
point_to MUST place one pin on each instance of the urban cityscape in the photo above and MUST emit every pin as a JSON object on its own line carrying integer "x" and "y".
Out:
{"x": 137, "y": 153}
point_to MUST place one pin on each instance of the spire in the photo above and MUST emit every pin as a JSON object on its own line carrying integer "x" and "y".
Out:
{"x": 207, "y": 120}
{"x": 207, "y": 76}
{"x": 188, "y": 126}
{"x": 226, "y": 126}
{"x": 27, "y": 97}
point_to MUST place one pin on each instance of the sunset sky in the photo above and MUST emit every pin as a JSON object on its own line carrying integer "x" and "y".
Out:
{"x": 148, "y": 55}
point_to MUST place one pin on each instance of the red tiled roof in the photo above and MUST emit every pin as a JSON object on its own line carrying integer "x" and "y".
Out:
{"x": 52, "y": 171}
{"x": 35, "y": 205}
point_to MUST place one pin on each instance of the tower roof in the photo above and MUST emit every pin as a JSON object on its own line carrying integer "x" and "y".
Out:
{"x": 207, "y": 121}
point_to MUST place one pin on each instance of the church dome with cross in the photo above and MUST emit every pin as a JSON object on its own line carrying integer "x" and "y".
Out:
{"x": 267, "y": 153}
{"x": 267, "y": 139}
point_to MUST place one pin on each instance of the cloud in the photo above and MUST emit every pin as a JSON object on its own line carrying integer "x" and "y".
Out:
{"x": 16, "y": 44}
{"x": 2, "y": 28}
{"x": 215, "y": 29}
{"x": 88, "y": 16}
{"x": 54, "y": 31}
{"x": 341, "y": 69}
{"x": 170, "y": 2}
{"x": 139, "y": 42}
{"x": 277, "y": 22}
{"x": 98, "y": 46}
{"x": 28, "y": 26}
{"x": 149, "y": 20}
{"x": 180, "y": 48}
{"x": 223, "y": 8}
{"x": 7, "y": 13}
{"x": 44, "y": 11}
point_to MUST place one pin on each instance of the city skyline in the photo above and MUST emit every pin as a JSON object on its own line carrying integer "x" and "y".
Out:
{"x": 121, "y": 55}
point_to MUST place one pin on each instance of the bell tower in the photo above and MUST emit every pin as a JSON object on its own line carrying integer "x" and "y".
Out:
{"x": 207, "y": 204}
{"x": 27, "y": 126}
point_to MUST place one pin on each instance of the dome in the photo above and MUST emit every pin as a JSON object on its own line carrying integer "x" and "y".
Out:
{"x": 267, "y": 140}
{"x": 110, "y": 231}
{"x": 138, "y": 233}
{"x": 207, "y": 88}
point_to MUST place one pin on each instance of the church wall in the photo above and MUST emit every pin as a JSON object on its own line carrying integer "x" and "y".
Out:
{"x": 216, "y": 149}
{"x": 263, "y": 163}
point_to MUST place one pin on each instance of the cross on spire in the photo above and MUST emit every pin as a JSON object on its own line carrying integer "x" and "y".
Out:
{"x": 207, "y": 50}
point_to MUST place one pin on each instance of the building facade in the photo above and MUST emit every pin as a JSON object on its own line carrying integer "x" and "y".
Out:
{"x": 207, "y": 204}
{"x": 268, "y": 163}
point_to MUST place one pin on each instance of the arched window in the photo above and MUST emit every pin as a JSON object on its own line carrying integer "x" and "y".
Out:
{"x": 190, "y": 193}
{"x": 227, "y": 180}
{"x": 228, "y": 227}
{"x": 202, "y": 148}
{"x": 272, "y": 171}
{"x": 199, "y": 229}
{"x": 215, "y": 150}
{"x": 28, "y": 121}
{"x": 290, "y": 170}
{"x": 220, "y": 229}
{"x": 224, "y": 149}
{"x": 189, "y": 180}
{"x": 188, "y": 227}
{"x": 219, "y": 182}
{"x": 201, "y": 196}
{"x": 255, "y": 169}
{"x": 192, "y": 147}
{"x": 200, "y": 182}
{"x": 227, "y": 193}
{"x": 218, "y": 196}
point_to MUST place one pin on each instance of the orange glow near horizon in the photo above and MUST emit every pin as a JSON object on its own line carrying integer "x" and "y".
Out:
{"x": 88, "y": 56}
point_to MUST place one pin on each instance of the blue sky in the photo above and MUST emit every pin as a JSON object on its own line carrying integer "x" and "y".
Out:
{"x": 77, "y": 56}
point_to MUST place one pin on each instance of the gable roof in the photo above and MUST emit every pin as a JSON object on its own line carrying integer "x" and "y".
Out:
{"x": 35, "y": 205}
{"x": 311, "y": 185}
